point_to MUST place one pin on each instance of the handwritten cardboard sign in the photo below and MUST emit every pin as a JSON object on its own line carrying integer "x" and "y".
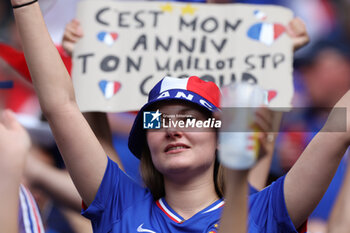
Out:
{"x": 129, "y": 46}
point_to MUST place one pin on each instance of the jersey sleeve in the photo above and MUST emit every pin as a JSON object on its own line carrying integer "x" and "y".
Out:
{"x": 116, "y": 193}
{"x": 268, "y": 212}
{"x": 252, "y": 189}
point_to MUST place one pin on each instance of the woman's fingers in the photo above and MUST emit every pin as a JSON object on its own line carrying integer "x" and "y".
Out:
{"x": 263, "y": 120}
{"x": 72, "y": 34}
{"x": 296, "y": 29}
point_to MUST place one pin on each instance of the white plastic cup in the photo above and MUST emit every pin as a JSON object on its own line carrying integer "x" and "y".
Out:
{"x": 238, "y": 141}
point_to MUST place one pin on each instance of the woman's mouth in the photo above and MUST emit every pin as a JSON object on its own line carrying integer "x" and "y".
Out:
{"x": 175, "y": 148}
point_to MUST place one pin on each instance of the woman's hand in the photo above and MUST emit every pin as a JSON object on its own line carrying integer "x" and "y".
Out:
{"x": 14, "y": 144}
{"x": 72, "y": 34}
{"x": 241, "y": 145}
{"x": 263, "y": 123}
{"x": 296, "y": 29}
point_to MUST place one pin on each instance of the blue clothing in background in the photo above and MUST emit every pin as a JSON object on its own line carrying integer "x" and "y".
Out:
{"x": 324, "y": 207}
{"x": 129, "y": 161}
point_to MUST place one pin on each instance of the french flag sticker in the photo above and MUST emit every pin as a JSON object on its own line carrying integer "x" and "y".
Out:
{"x": 266, "y": 33}
{"x": 260, "y": 15}
{"x": 109, "y": 38}
{"x": 109, "y": 88}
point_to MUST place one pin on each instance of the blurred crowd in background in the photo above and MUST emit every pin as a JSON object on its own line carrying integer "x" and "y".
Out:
{"x": 321, "y": 77}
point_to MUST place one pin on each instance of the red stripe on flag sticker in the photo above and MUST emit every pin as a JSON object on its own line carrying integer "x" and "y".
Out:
{"x": 279, "y": 29}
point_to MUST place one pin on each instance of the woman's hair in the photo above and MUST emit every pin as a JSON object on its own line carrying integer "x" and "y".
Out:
{"x": 151, "y": 177}
{"x": 154, "y": 180}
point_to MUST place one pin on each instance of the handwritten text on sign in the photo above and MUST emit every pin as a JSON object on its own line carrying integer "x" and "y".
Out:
{"x": 128, "y": 47}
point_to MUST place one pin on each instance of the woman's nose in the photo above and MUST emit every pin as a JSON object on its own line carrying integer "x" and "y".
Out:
{"x": 173, "y": 132}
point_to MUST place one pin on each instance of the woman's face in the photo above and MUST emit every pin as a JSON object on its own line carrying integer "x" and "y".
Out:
{"x": 176, "y": 151}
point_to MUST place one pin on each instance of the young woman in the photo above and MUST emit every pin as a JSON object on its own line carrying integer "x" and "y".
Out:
{"x": 189, "y": 197}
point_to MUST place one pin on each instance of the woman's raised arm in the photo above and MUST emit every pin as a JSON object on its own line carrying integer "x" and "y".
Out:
{"x": 83, "y": 155}
{"x": 309, "y": 178}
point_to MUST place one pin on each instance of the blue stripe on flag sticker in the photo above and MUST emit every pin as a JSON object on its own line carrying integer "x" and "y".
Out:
{"x": 6, "y": 84}
{"x": 254, "y": 31}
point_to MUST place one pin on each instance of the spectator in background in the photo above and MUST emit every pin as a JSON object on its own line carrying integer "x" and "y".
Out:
{"x": 52, "y": 212}
{"x": 18, "y": 212}
{"x": 324, "y": 76}
{"x": 58, "y": 201}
